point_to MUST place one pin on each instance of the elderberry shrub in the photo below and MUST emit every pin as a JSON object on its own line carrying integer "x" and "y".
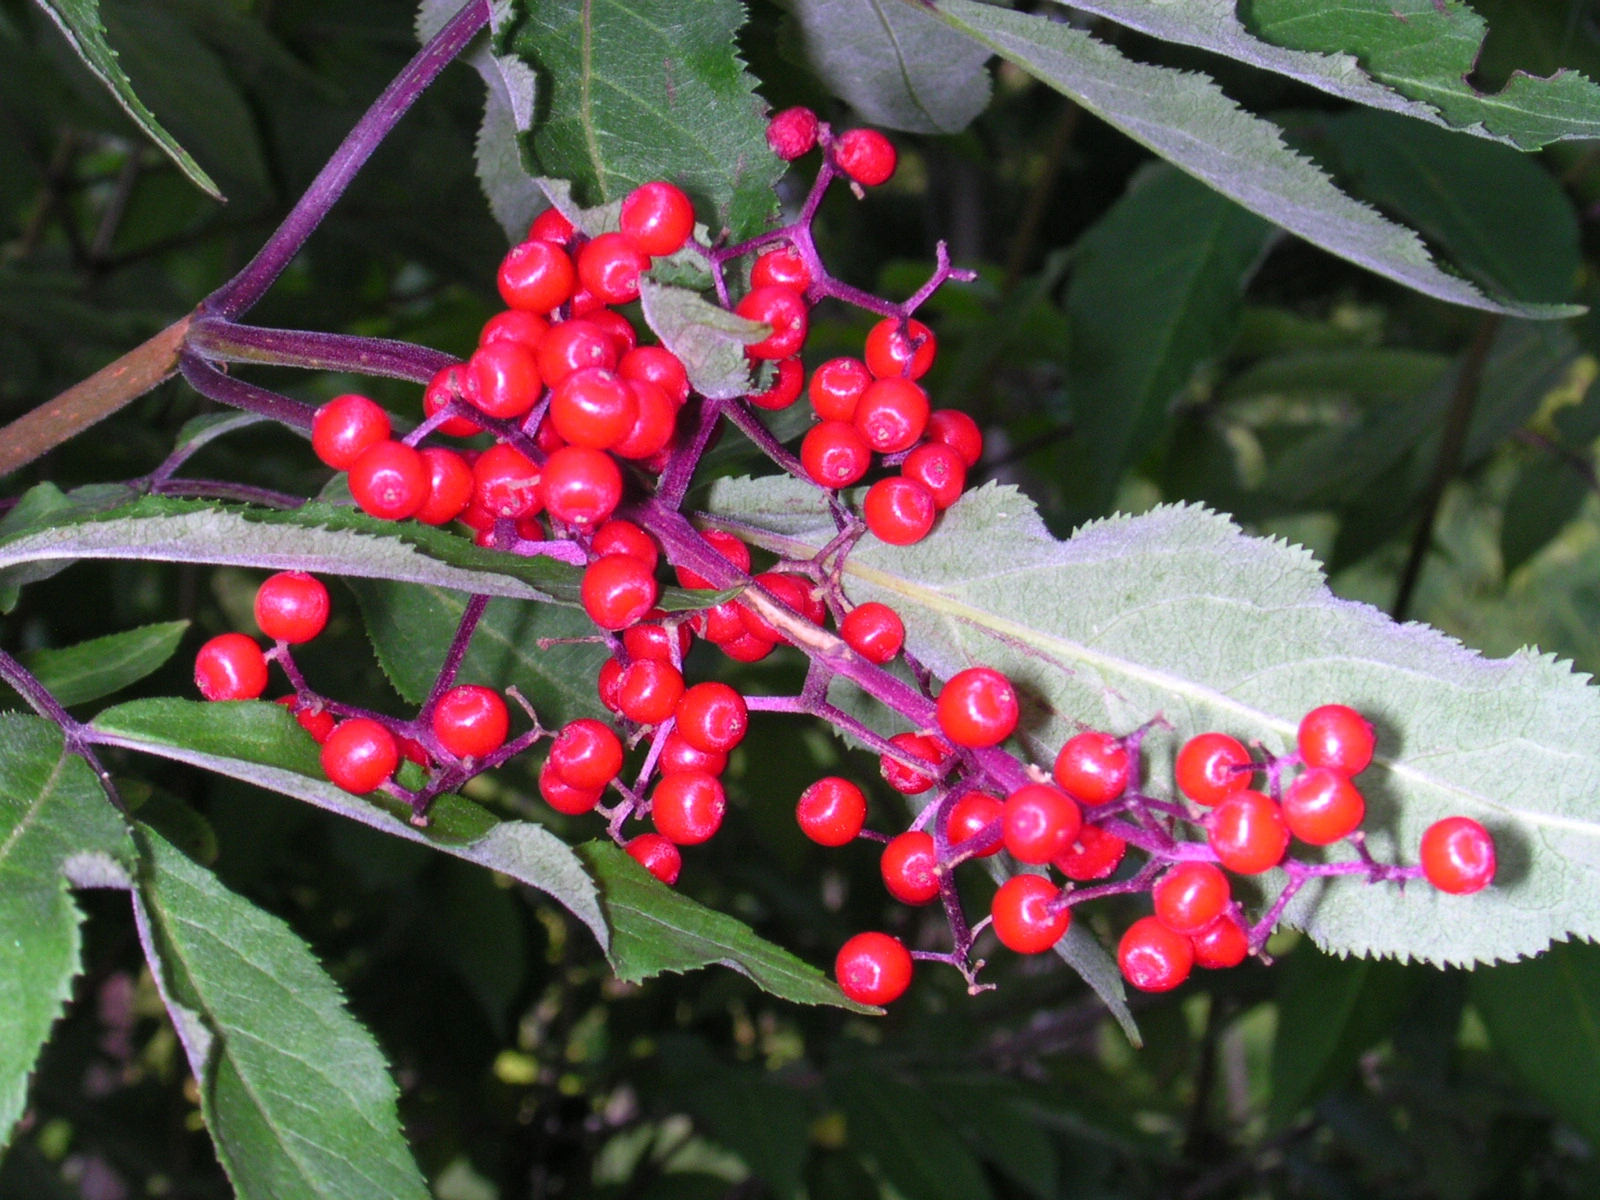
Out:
{"x": 586, "y": 422}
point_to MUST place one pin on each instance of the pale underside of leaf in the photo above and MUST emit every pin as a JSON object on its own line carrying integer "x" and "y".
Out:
{"x": 1189, "y": 121}
{"x": 1178, "y": 613}
{"x": 708, "y": 339}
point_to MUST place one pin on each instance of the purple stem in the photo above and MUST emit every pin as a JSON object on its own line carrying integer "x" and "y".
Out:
{"x": 458, "y": 651}
{"x": 220, "y": 489}
{"x": 746, "y": 422}
{"x": 213, "y": 384}
{"x": 223, "y": 341}
{"x": 77, "y": 735}
{"x": 674, "y": 481}
{"x": 241, "y": 292}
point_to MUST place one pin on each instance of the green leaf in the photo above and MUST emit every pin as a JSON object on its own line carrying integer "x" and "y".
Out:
{"x": 892, "y": 62}
{"x": 1544, "y": 1018}
{"x": 1177, "y": 612}
{"x": 1188, "y": 120}
{"x": 295, "y": 1092}
{"x": 1156, "y": 292}
{"x": 262, "y": 744}
{"x": 708, "y": 339}
{"x": 994, "y": 1114}
{"x": 1426, "y": 49}
{"x": 1546, "y": 497}
{"x": 79, "y": 22}
{"x": 896, "y": 1126}
{"x": 56, "y": 830}
{"x": 655, "y": 929}
{"x": 650, "y": 89}
{"x": 102, "y": 665}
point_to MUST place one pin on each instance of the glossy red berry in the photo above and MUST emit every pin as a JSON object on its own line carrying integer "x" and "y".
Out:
{"x": 873, "y": 968}
{"x": 831, "y": 811}
{"x": 787, "y": 590}
{"x": 782, "y": 309}
{"x": 449, "y": 386}
{"x": 873, "y": 631}
{"x": 726, "y": 545}
{"x": 712, "y": 717}
{"x": 563, "y": 796}
{"x": 787, "y": 378}
{"x": 515, "y": 325}
{"x": 609, "y": 267}
{"x": 721, "y": 623}
{"x": 835, "y": 455}
{"x": 1458, "y": 856}
{"x": 836, "y": 387}
{"x": 657, "y": 855}
{"x": 1221, "y": 944}
{"x": 657, "y": 218}
{"x": 687, "y": 808}
{"x": 345, "y": 428}
{"x": 678, "y": 756}
{"x": 593, "y": 407}
{"x": 624, "y": 537}
{"x": 551, "y": 226}
{"x": 657, "y": 365}
{"x": 977, "y": 708}
{"x": 573, "y": 346}
{"x": 747, "y": 648}
{"x": 657, "y": 641}
{"x": 899, "y": 511}
{"x": 450, "y": 486}
{"x": 792, "y": 133}
{"x": 618, "y": 590}
{"x": 1093, "y": 767}
{"x": 1248, "y": 832}
{"x": 389, "y": 481}
{"x": 905, "y": 779}
{"x": 1023, "y": 918}
{"x": 230, "y": 667}
{"x": 607, "y": 682}
{"x": 648, "y": 691}
{"x": 782, "y": 267}
{"x": 507, "y": 483}
{"x": 1190, "y": 895}
{"x": 894, "y": 350}
{"x": 891, "y": 415}
{"x": 970, "y": 816}
{"x": 503, "y": 379}
{"x": 866, "y": 156}
{"x": 471, "y": 721}
{"x": 360, "y": 755}
{"x": 652, "y": 429}
{"x": 318, "y": 723}
{"x": 1040, "y": 823}
{"x": 292, "y": 606}
{"x": 1153, "y": 958}
{"x": 1322, "y": 806}
{"x": 952, "y": 427}
{"x": 1337, "y": 738}
{"x": 1095, "y": 855}
{"x": 1208, "y": 769}
{"x": 939, "y": 469}
{"x": 587, "y": 754}
{"x": 908, "y": 867}
{"x": 582, "y": 486}
{"x": 537, "y": 276}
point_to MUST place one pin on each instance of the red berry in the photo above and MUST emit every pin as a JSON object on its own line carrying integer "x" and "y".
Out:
{"x": 563, "y": 796}
{"x": 1322, "y": 806}
{"x": 908, "y": 867}
{"x": 939, "y": 469}
{"x": 1093, "y": 767}
{"x": 836, "y": 388}
{"x": 587, "y": 754}
{"x": 909, "y": 780}
{"x": 687, "y": 808}
{"x": 1248, "y": 832}
{"x": 977, "y": 708}
{"x": 656, "y": 641}
{"x": 607, "y": 682}
{"x": 1208, "y": 768}
{"x": 551, "y": 226}
{"x": 953, "y": 428}
{"x": 725, "y": 544}
{"x": 360, "y": 755}
{"x": 609, "y": 266}
{"x": 786, "y": 590}
{"x": 873, "y": 631}
{"x": 970, "y": 816}
{"x": 648, "y": 691}
{"x": 782, "y": 267}
{"x": 747, "y": 648}
{"x": 1153, "y": 958}
{"x": 1220, "y": 944}
{"x": 873, "y": 968}
{"x": 318, "y": 723}
{"x": 503, "y": 379}
{"x": 721, "y": 623}
{"x": 899, "y": 511}
{"x": 515, "y": 325}
{"x": 1458, "y": 856}
{"x": 345, "y": 428}
{"x": 831, "y": 811}
{"x": 678, "y": 756}
{"x": 451, "y": 485}
{"x": 584, "y": 302}
{"x": 654, "y": 364}
{"x": 1337, "y": 738}
{"x": 785, "y": 312}
{"x": 785, "y": 387}
{"x": 471, "y": 721}
{"x": 1023, "y": 918}
{"x": 891, "y": 415}
{"x": 624, "y": 537}
{"x": 292, "y": 606}
{"x": 895, "y": 350}
{"x": 834, "y": 454}
{"x": 866, "y": 156}
{"x": 573, "y": 346}
{"x": 389, "y": 481}
{"x": 537, "y": 276}
{"x": 1095, "y": 855}
{"x": 507, "y": 483}
{"x": 582, "y": 486}
{"x": 594, "y": 408}
{"x": 449, "y": 386}
{"x": 656, "y": 855}
{"x": 657, "y": 218}
{"x": 230, "y": 667}
{"x": 617, "y": 591}
{"x": 712, "y": 717}
{"x": 1190, "y": 895}
{"x": 792, "y": 133}
{"x": 1040, "y": 823}
{"x": 616, "y": 327}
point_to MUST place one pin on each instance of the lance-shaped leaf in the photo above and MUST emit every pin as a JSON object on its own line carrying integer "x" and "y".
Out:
{"x": 650, "y": 89}
{"x": 295, "y": 1092}
{"x": 893, "y": 62}
{"x": 89, "y": 670}
{"x": 261, "y": 744}
{"x": 708, "y": 339}
{"x": 655, "y": 929}
{"x": 1189, "y": 121}
{"x": 1178, "y": 613}
{"x": 79, "y": 22}
{"x": 56, "y": 830}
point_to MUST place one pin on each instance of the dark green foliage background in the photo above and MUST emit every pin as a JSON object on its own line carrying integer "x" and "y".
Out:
{"x": 1132, "y": 338}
